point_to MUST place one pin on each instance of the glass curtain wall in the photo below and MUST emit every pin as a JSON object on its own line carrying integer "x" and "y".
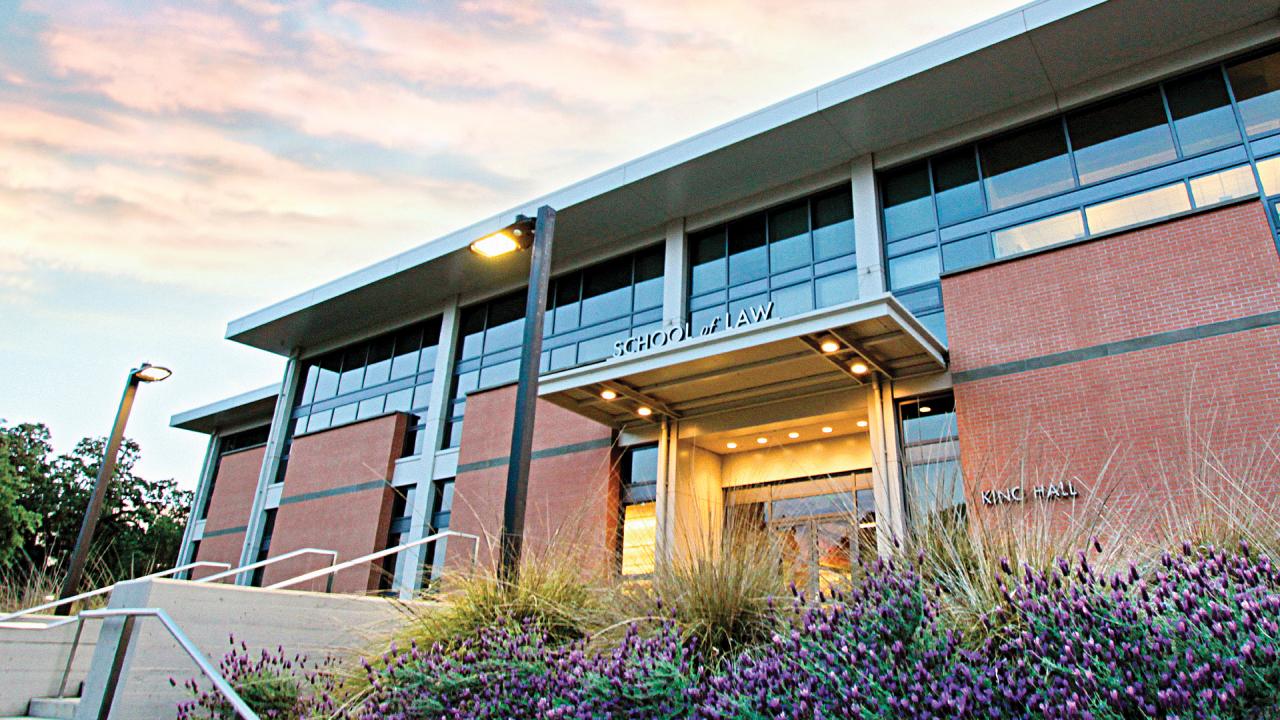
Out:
{"x": 638, "y": 542}
{"x": 799, "y": 255}
{"x": 587, "y": 310}
{"x": 931, "y": 455}
{"x": 1169, "y": 148}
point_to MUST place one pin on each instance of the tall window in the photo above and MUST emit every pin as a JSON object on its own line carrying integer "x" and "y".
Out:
{"x": 587, "y": 310}
{"x": 264, "y": 546}
{"x": 639, "y": 471}
{"x": 799, "y": 256}
{"x": 390, "y": 373}
{"x": 931, "y": 454}
{"x": 441, "y": 511}
{"x": 397, "y": 534}
{"x": 1168, "y": 148}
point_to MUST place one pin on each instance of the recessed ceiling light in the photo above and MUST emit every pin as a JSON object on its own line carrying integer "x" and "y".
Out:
{"x": 762, "y": 440}
{"x": 858, "y": 368}
{"x": 731, "y": 445}
{"x": 793, "y": 435}
{"x": 608, "y": 394}
{"x": 925, "y": 409}
{"x": 862, "y": 423}
{"x": 644, "y": 411}
{"x": 826, "y": 429}
{"x": 830, "y": 345}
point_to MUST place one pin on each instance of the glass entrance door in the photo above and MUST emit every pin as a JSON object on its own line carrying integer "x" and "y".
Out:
{"x": 819, "y": 523}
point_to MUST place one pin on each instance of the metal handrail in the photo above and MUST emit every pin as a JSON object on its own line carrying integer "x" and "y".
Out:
{"x": 333, "y": 559}
{"x": 117, "y": 662}
{"x": 333, "y": 569}
{"x": 104, "y": 590}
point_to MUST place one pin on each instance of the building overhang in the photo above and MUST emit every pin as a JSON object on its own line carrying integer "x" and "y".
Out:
{"x": 753, "y": 365}
{"x": 233, "y": 413}
{"x": 1029, "y": 62}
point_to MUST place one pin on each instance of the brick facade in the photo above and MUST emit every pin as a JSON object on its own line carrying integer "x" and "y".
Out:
{"x": 338, "y": 496}
{"x": 229, "y": 506}
{"x": 573, "y": 485}
{"x": 1140, "y": 416}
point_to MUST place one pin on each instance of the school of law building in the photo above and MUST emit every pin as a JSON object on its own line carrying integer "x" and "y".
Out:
{"x": 1040, "y": 250}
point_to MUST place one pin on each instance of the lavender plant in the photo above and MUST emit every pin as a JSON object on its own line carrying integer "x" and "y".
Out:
{"x": 274, "y": 684}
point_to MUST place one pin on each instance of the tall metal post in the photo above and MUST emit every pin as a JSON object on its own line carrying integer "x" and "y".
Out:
{"x": 80, "y": 555}
{"x": 517, "y": 491}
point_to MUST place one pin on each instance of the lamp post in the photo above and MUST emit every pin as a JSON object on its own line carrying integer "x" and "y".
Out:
{"x": 511, "y": 238}
{"x": 144, "y": 373}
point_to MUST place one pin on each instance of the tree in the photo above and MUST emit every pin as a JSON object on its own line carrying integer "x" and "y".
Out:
{"x": 16, "y": 521}
{"x": 140, "y": 529}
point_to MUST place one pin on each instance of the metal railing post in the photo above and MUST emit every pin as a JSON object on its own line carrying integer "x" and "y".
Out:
{"x": 71, "y": 656}
{"x": 117, "y": 666}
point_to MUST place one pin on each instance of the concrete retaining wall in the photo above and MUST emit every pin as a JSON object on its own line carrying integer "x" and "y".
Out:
{"x": 313, "y": 624}
{"x": 32, "y": 660}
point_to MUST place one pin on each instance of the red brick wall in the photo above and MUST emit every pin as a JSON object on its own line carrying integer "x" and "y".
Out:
{"x": 352, "y": 523}
{"x": 573, "y": 496}
{"x": 1146, "y": 417}
{"x": 229, "y": 507}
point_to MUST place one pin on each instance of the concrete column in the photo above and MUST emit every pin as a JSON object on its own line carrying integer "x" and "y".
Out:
{"x": 675, "y": 282}
{"x": 409, "y": 578}
{"x": 886, "y": 466}
{"x": 866, "y": 228}
{"x": 207, "y": 469}
{"x": 276, "y": 440}
{"x": 662, "y": 512}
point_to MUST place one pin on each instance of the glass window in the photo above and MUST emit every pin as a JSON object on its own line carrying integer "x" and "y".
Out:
{"x": 1221, "y": 186}
{"x": 309, "y": 385}
{"x": 748, "y": 259}
{"x": 639, "y": 539}
{"x": 910, "y": 270}
{"x": 606, "y": 291}
{"x": 352, "y": 369}
{"x": 1202, "y": 114}
{"x": 931, "y": 454}
{"x": 1255, "y": 84}
{"x": 1121, "y": 137}
{"x": 708, "y": 261}
{"x": 1038, "y": 234}
{"x": 650, "y": 265}
{"x": 789, "y": 243}
{"x": 836, "y": 289}
{"x": 908, "y": 207}
{"x": 966, "y": 252}
{"x": 1134, "y": 209}
{"x": 1269, "y": 172}
{"x": 955, "y": 180}
{"x": 504, "y": 326}
{"x": 833, "y": 224}
{"x": 327, "y": 380}
{"x": 405, "y": 361}
{"x": 378, "y": 370}
{"x": 1026, "y": 165}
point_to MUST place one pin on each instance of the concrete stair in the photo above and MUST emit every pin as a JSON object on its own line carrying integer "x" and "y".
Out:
{"x": 50, "y": 709}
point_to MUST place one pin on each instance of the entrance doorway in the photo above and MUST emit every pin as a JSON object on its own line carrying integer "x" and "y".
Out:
{"x": 823, "y": 525}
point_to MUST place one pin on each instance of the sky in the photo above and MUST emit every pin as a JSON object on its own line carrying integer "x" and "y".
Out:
{"x": 166, "y": 167}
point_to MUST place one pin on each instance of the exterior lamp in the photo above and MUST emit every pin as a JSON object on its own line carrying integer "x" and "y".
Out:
{"x": 536, "y": 234}
{"x": 608, "y": 394}
{"x": 644, "y": 411}
{"x": 861, "y": 423}
{"x": 144, "y": 373}
{"x": 858, "y": 368}
{"x": 830, "y": 345}
{"x": 516, "y": 236}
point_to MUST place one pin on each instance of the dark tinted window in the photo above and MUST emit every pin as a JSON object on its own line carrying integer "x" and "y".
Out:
{"x": 1121, "y": 137}
{"x": 908, "y": 207}
{"x": 955, "y": 180}
{"x": 1026, "y": 165}
{"x": 1256, "y": 84}
{"x": 1202, "y": 114}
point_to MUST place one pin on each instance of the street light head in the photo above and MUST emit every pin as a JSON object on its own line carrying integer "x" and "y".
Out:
{"x": 517, "y": 236}
{"x": 152, "y": 373}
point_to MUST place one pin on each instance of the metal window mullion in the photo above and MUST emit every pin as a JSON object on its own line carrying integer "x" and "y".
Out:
{"x": 1268, "y": 210}
{"x": 1168, "y": 117}
{"x": 1071, "y": 152}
